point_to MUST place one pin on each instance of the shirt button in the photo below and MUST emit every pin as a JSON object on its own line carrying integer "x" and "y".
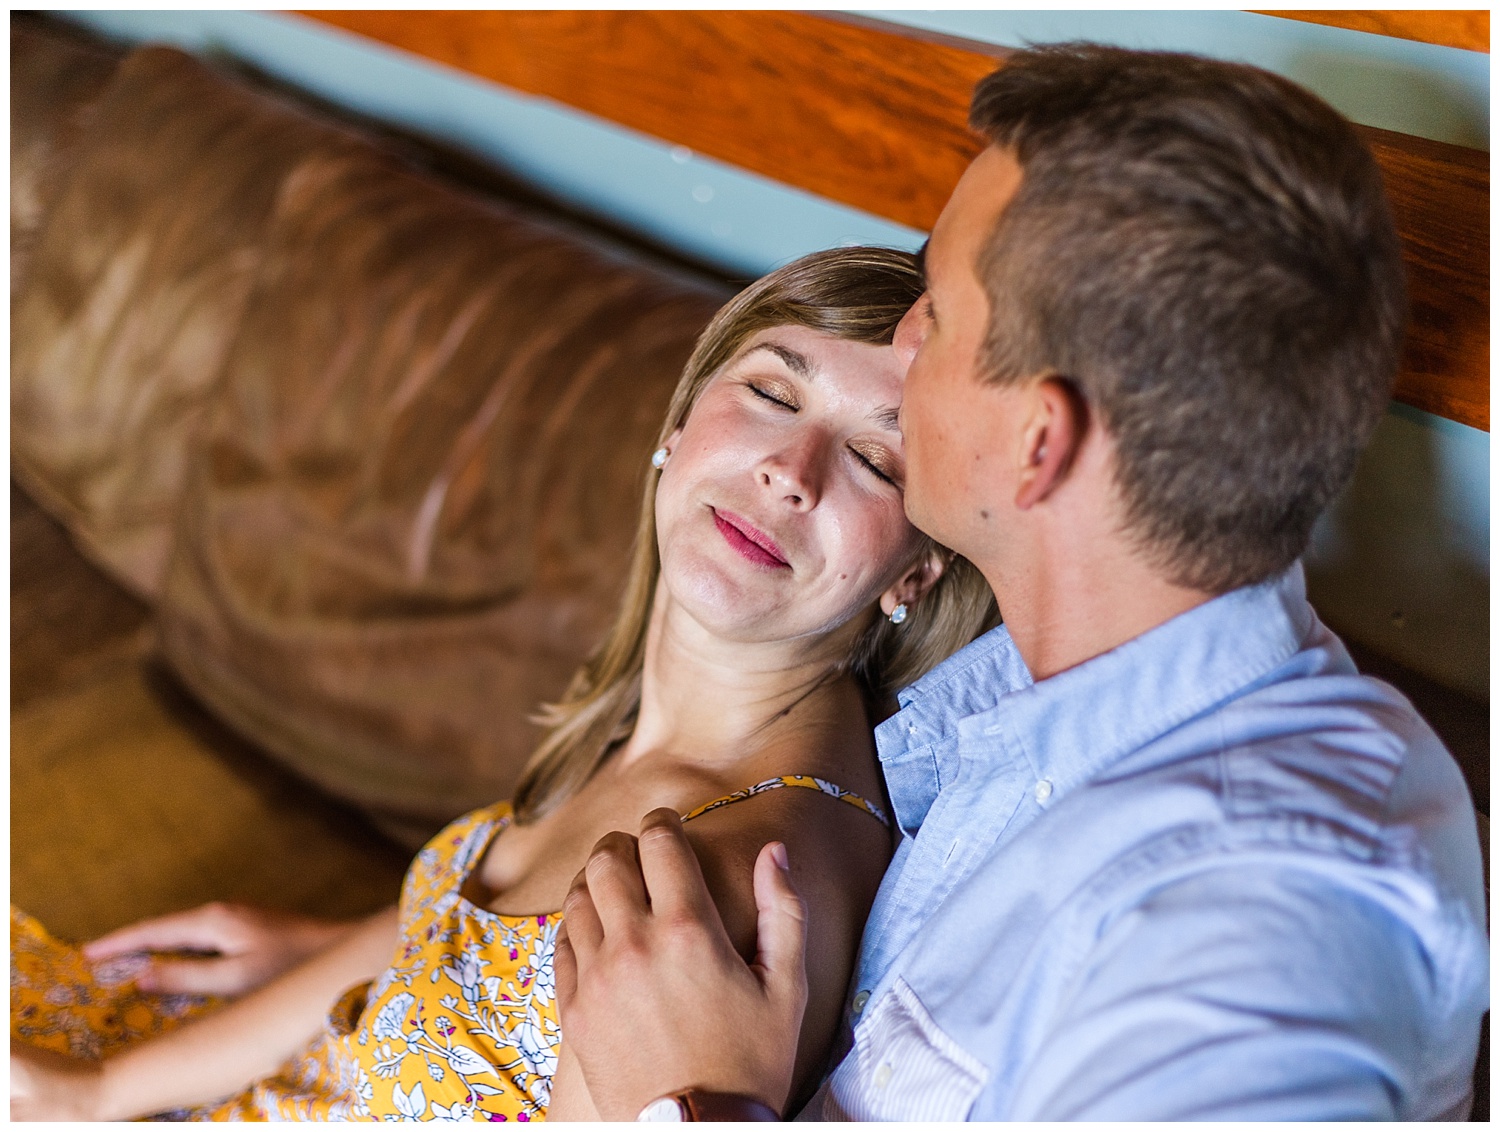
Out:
{"x": 1043, "y": 790}
{"x": 883, "y": 1076}
{"x": 859, "y": 1001}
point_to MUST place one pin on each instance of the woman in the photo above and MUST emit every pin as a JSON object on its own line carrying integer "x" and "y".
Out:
{"x": 776, "y": 600}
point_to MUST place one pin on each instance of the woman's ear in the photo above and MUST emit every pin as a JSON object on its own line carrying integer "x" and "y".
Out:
{"x": 916, "y": 582}
{"x": 660, "y": 457}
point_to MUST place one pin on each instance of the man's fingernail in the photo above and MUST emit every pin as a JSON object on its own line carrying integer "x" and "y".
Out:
{"x": 778, "y": 854}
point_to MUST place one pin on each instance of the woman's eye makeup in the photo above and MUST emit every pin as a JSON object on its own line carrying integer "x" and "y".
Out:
{"x": 776, "y": 394}
{"x": 879, "y": 464}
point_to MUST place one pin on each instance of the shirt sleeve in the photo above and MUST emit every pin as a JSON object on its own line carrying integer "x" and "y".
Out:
{"x": 1244, "y": 994}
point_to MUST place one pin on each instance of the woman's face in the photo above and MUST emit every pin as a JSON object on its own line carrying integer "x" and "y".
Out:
{"x": 779, "y": 514}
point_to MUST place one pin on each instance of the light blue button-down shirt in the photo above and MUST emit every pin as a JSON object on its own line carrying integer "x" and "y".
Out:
{"x": 1212, "y": 874}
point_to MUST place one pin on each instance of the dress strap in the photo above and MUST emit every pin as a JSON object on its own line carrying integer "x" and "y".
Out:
{"x": 806, "y": 781}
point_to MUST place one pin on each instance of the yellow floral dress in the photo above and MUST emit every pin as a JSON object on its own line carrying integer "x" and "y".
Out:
{"x": 461, "y": 1026}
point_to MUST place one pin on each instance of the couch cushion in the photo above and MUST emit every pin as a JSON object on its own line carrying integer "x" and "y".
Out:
{"x": 418, "y": 484}
{"x": 138, "y": 275}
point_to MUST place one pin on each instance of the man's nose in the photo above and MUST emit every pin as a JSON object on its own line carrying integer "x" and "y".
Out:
{"x": 795, "y": 472}
{"x": 909, "y": 332}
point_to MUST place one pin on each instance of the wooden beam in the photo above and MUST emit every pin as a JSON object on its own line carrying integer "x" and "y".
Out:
{"x": 1440, "y": 195}
{"x": 803, "y": 100}
{"x": 1469, "y": 29}
{"x": 874, "y": 116}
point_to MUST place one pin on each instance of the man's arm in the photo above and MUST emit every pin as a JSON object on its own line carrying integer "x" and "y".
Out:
{"x": 653, "y": 997}
{"x": 1248, "y": 993}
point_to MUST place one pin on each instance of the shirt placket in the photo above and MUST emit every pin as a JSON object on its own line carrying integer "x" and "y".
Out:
{"x": 961, "y": 828}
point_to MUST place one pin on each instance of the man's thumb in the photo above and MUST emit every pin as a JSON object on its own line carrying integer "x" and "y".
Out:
{"x": 781, "y": 927}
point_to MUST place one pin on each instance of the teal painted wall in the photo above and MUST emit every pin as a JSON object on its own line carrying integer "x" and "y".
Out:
{"x": 1400, "y": 563}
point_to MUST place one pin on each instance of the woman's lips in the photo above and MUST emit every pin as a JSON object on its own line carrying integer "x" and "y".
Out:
{"x": 753, "y": 544}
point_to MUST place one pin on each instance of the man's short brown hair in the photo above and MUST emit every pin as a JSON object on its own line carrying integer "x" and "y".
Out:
{"x": 1205, "y": 251}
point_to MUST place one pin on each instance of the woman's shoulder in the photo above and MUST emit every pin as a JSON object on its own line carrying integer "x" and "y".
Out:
{"x": 798, "y": 809}
{"x": 836, "y": 842}
{"x": 819, "y": 787}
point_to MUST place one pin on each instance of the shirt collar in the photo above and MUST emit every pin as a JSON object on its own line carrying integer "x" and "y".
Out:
{"x": 1073, "y": 725}
{"x": 917, "y": 750}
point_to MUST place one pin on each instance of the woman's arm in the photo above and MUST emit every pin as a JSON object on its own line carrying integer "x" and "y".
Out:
{"x": 242, "y": 947}
{"x": 216, "y": 1055}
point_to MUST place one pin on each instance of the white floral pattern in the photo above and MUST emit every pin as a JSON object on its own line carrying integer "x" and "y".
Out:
{"x": 463, "y": 1025}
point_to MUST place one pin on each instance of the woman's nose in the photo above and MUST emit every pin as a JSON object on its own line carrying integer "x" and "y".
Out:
{"x": 795, "y": 473}
{"x": 909, "y": 333}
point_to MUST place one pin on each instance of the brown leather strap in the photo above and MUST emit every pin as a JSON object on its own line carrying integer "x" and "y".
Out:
{"x": 700, "y": 1105}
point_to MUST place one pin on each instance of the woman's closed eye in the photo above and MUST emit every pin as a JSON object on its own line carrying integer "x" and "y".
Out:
{"x": 775, "y": 394}
{"x": 879, "y": 465}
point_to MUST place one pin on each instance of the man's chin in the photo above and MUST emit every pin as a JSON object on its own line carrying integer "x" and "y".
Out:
{"x": 921, "y": 516}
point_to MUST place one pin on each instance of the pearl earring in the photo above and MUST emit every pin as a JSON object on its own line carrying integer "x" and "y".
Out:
{"x": 659, "y": 457}
{"x": 898, "y": 614}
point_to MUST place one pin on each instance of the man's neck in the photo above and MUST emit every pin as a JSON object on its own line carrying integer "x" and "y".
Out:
{"x": 1069, "y": 604}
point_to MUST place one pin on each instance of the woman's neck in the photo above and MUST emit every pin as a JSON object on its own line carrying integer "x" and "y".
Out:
{"x": 711, "y": 702}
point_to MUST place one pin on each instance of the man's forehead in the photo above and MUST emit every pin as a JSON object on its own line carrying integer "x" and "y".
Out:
{"x": 988, "y": 185}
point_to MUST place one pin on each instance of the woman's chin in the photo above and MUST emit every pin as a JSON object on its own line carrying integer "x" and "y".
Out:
{"x": 735, "y": 616}
{"x": 730, "y": 608}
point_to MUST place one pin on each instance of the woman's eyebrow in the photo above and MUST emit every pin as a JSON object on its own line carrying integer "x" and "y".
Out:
{"x": 796, "y": 362}
{"x": 888, "y": 418}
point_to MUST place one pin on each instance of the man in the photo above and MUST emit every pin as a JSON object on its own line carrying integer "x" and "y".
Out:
{"x": 1164, "y": 853}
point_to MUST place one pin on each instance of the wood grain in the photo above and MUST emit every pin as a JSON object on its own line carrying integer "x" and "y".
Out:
{"x": 797, "y": 98}
{"x": 1440, "y": 195}
{"x": 874, "y": 116}
{"x": 1468, "y": 29}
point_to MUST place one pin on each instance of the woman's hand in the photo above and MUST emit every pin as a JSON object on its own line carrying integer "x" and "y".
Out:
{"x": 221, "y": 1052}
{"x": 245, "y": 947}
{"x": 48, "y": 1086}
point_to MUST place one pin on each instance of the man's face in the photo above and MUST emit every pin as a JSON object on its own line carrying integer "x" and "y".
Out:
{"x": 954, "y": 460}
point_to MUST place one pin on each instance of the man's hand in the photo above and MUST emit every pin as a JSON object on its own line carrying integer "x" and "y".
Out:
{"x": 654, "y": 998}
{"x": 48, "y": 1086}
{"x": 244, "y": 947}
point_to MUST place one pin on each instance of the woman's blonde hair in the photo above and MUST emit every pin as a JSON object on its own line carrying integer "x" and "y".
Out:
{"x": 856, "y": 294}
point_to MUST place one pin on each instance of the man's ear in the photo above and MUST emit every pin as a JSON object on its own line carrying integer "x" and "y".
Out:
{"x": 1053, "y": 436}
{"x": 916, "y": 582}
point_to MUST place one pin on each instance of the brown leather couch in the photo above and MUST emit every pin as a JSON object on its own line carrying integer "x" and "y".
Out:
{"x": 352, "y": 453}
